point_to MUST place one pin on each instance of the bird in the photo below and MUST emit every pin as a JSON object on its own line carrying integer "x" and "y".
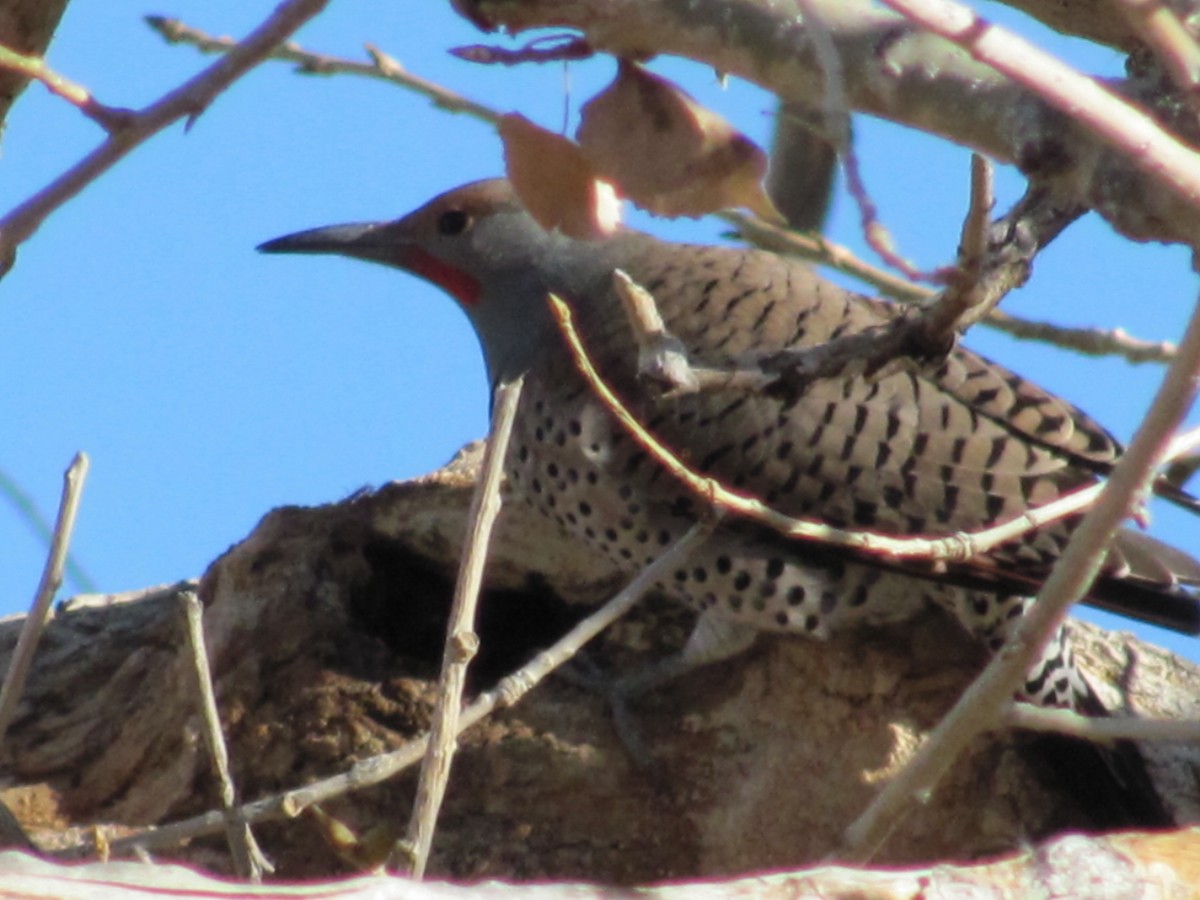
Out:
{"x": 932, "y": 447}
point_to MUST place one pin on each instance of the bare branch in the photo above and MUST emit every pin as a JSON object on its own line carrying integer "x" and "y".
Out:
{"x": 52, "y": 575}
{"x": 981, "y": 704}
{"x": 1063, "y": 721}
{"x": 1092, "y": 20}
{"x": 248, "y": 858}
{"x": 382, "y": 66}
{"x": 1146, "y": 184}
{"x": 25, "y": 506}
{"x": 1159, "y": 155}
{"x": 836, "y": 114}
{"x": 372, "y": 771}
{"x": 26, "y": 28}
{"x": 188, "y": 101}
{"x": 1094, "y": 342}
{"x": 661, "y": 356}
{"x": 1176, "y": 49}
{"x": 964, "y": 301}
{"x": 923, "y": 332}
{"x": 461, "y": 641}
{"x": 951, "y": 548}
{"x": 107, "y": 117}
{"x": 1091, "y": 341}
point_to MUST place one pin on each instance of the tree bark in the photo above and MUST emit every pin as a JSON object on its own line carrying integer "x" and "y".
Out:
{"x": 894, "y": 70}
{"x": 323, "y": 628}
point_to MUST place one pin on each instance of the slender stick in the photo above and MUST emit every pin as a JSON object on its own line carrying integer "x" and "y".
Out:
{"x": 1159, "y": 154}
{"x": 372, "y": 771}
{"x": 1064, "y": 721}
{"x": 52, "y": 576}
{"x": 27, "y": 509}
{"x": 248, "y": 859}
{"x": 1174, "y": 46}
{"x": 382, "y": 66}
{"x": 188, "y": 101}
{"x": 835, "y": 110}
{"x": 981, "y": 704}
{"x": 962, "y": 303}
{"x": 955, "y": 547}
{"x": 461, "y": 641}
{"x": 77, "y": 95}
{"x": 1091, "y": 341}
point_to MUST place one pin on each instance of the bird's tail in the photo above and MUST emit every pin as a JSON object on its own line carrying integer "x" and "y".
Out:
{"x": 1152, "y": 582}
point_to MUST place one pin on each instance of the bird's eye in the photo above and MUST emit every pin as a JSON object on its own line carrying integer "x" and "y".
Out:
{"x": 452, "y": 222}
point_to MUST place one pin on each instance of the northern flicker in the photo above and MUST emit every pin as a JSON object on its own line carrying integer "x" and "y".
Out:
{"x": 933, "y": 448}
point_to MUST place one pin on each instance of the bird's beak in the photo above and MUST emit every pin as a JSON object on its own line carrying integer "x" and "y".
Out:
{"x": 372, "y": 241}
{"x": 390, "y": 243}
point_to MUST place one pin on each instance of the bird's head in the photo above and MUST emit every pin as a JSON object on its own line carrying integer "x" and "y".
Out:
{"x": 480, "y": 246}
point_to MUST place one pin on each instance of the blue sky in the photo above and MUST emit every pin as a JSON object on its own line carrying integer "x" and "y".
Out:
{"x": 210, "y": 384}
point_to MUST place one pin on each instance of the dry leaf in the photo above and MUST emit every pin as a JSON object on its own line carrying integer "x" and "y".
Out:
{"x": 556, "y": 183}
{"x": 669, "y": 154}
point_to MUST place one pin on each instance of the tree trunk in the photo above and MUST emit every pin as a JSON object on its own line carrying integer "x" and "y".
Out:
{"x": 323, "y": 629}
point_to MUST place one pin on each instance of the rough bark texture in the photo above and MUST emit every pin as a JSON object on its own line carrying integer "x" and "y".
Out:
{"x": 1101, "y": 21}
{"x": 25, "y": 26}
{"x": 323, "y": 627}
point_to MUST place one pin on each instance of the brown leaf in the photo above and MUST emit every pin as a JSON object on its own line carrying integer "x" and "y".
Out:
{"x": 669, "y": 154}
{"x": 556, "y": 183}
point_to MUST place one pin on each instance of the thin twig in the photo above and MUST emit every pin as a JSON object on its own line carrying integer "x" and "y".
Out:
{"x": 951, "y": 548}
{"x": 1100, "y": 730}
{"x": 382, "y": 66}
{"x": 964, "y": 301}
{"x": 661, "y": 355}
{"x": 461, "y": 641}
{"x": 1094, "y": 342}
{"x": 248, "y": 859}
{"x": 979, "y": 707}
{"x": 818, "y": 248}
{"x": 1089, "y": 341}
{"x": 994, "y": 259}
{"x": 187, "y": 101}
{"x": 1116, "y": 121}
{"x": 52, "y": 574}
{"x": 27, "y": 509}
{"x": 975, "y": 226}
{"x": 372, "y": 771}
{"x": 107, "y": 117}
{"x": 1173, "y": 45}
{"x": 836, "y": 115}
